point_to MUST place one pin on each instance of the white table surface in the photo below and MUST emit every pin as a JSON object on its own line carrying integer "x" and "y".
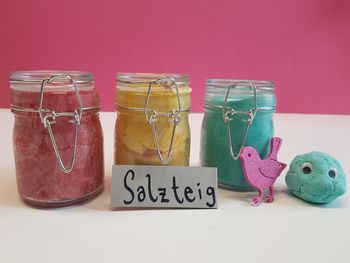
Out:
{"x": 288, "y": 230}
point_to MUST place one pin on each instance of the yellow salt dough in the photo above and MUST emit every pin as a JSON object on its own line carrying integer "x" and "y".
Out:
{"x": 136, "y": 134}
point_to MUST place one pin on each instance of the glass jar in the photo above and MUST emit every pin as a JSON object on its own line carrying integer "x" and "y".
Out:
{"x": 237, "y": 113}
{"x": 152, "y": 125}
{"x": 57, "y": 137}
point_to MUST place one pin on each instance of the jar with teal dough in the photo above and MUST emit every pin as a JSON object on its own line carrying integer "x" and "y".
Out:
{"x": 237, "y": 113}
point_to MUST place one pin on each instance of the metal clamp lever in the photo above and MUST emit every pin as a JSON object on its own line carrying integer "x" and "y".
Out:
{"x": 228, "y": 114}
{"x": 173, "y": 115}
{"x": 49, "y": 117}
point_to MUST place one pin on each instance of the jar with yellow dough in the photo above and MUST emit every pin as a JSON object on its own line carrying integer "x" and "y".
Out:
{"x": 152, "y": 125}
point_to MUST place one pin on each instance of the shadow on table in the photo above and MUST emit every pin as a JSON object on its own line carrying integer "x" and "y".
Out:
{"x": 283, "y": 198}
{"x": 103, "y": 200}
{"x": 338, "y": 203}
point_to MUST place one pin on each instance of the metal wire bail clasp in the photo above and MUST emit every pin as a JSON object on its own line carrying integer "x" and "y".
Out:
{"x": 173, "y": 115}
{"x": 48, "y": 117}
{"x": 228, "y": 113}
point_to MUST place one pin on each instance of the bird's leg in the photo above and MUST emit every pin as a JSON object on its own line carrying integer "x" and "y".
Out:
{"x": 269, "y": 198}
{"x": 257, "y": 200}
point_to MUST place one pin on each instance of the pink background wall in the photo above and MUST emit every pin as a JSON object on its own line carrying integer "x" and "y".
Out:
{"x": 304, "y": 46}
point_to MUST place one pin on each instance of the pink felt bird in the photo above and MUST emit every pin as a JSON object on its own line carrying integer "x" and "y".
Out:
{"x": 262, "y": 174}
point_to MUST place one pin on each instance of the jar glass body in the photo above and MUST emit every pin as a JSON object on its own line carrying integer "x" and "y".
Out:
{"x": 215, "y": 146}
{"x": 40, "y": 179}
{"x": 134, "y": 134}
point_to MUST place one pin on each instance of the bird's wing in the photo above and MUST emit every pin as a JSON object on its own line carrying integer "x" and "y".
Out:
{"x": 270, "y": 168}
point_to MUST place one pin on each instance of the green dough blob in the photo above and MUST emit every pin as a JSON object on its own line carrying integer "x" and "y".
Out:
{"x": 215, "y": 151}
{"x": 316, "y": 177}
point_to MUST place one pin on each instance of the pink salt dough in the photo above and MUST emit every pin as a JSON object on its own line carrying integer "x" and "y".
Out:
{"x": 39, "y": 178}
{"x": 262, "y": 174}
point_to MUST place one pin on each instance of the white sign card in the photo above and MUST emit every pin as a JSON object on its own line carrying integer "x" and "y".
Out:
{"x": 164, "y": 186}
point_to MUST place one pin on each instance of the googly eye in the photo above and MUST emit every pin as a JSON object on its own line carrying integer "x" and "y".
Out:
{"x": 332, "y": 173}
{"x": 306, "y": 168}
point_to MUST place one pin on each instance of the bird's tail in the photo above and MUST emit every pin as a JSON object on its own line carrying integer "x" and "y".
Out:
{"x": 276, "y": 143}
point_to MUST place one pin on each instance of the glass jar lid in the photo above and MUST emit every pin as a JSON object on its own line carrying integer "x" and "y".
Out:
{"x": 157, "y": 91}
{"x": 54, "y": 89}
{"x": 37, "y": 76}
{"x": 61, "y": 80}
{"x": 241, "y": 94}
{"x": 147, "y": 78}
{"x": 221, "y": 85}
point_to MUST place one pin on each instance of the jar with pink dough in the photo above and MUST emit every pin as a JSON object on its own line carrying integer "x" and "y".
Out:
{"x": 57, "y": 137}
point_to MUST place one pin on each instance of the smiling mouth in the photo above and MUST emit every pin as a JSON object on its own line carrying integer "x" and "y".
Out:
{"x": 299, "y": 191}
{"x": 325, "y": 197}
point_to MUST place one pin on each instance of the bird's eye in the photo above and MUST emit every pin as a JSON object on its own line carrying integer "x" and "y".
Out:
{"x": 306, "y": 168}
{"x": 249, "y": 155}
{"x": 332, "y": 173}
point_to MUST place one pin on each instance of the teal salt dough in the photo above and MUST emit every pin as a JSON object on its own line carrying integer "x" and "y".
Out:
{"x": 214, "y": 146}
{"x": 316, "y": 177}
